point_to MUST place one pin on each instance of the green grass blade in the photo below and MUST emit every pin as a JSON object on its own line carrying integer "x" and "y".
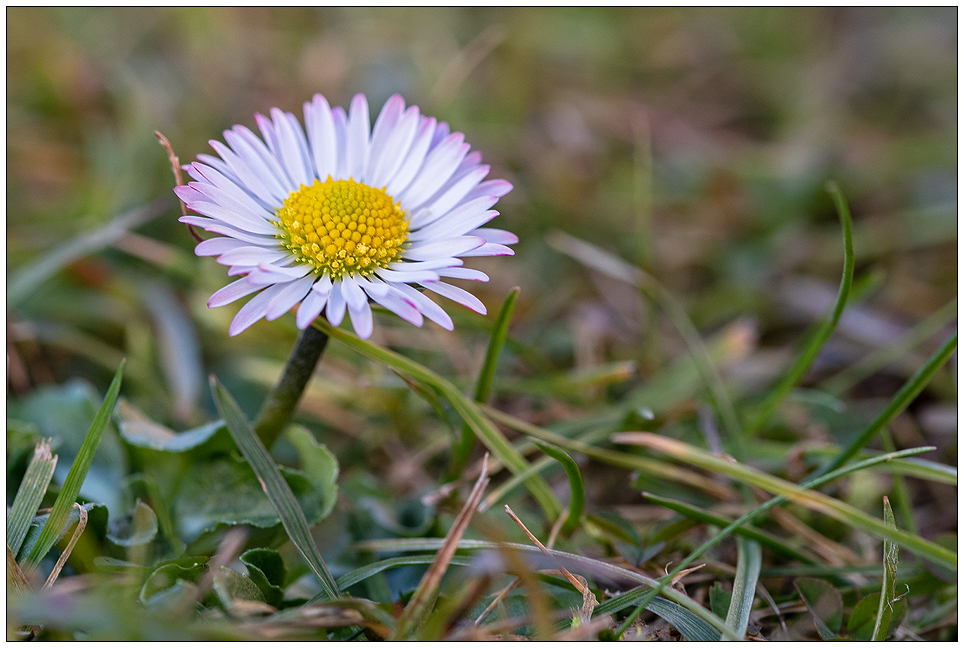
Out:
{"x": 820, "y": 336}
{"x": 684, "y": 614}
{"x": 801, "y": 494}
{"x": 898, "y": 404}
{"x": 494, "y": 440}
{"x": 762, "y": 537}
{"x": 75, "y": 477}
{"x": 484, "y": 385}
{"x": 748, "y": 563}
{"x": 275, "y": 487}
{"x": 888, "y": 586}
{"x": 576, "y": 485}
{"x": 30, "y": 494}
{"x": 358, "y": 575}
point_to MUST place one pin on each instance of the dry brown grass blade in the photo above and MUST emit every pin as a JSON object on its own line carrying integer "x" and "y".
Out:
{"x": 178, "y": 178}
{"x": 78, "y": 530}
{"x": 229, "y": 549}
{"x": 589, "y": 601}
{"x": 428, "y": 586}
{"x": 15, "y": 576}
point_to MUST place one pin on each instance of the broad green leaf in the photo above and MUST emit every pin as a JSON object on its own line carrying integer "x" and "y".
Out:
{"x": 318, "y": 465}
{"x": 171, "y": 582}
{"x": 825, "y": 605}
{"x": 75, "y": 478}
{"x": 137, "y": 430}
{"x": 275, "y": 487}
{"x": 267, "y": 570}
{"x": 862, "y": 620}
{"x": 137, "y": 529}
{"x": 720, "y": 600}
{"x": 226, "y": 491}
{"x": 29, "y": 495}
{"x": 229, "y": 585}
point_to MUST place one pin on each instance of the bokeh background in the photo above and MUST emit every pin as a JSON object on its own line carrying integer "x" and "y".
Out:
{"x": 695, "y": 143}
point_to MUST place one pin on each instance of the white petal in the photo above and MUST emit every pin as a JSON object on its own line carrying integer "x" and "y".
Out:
{"x": 251, "y": 255}
{"x": 321, "y": 136}
{"x": 495, "y": 235}
{"x": 357, "y": 143}
{"x": 428, "y": 308}
{"x": 446, "y": 248}
{"x": 287, "y": 298}
{"x": 256, "y": 166}
{"x": 456, "y": 294}
{"x": 497, "y": 188}
{"x": 216, "y": 246}
{"x": 354, "y": 296}
{"x": 234, "y": 218}
{"x": 402, "y": 275}
{"x": 451, "y": 197}
{"x": 340, "y": 120}
{"x": 459, "y": 222}
{"x": 293, "y": 148}
{"x": 362, "y": 320}
{"x": 233, "y": 291}
{"x": 385, "y": 163}
{"x": 391, "y": 299}
{"x": 336, "y": 305}
{"x": 490, "y": 249}
{"x": 413, "y": 160}
{"x": 322, "y": 287}
{"x": 220, "y": 227}
{"x": 434, "y": 264}
{"x": 254, "y": 309}
{"x": 381, "y": 131}
{"x": 311, "y": 306}
{"x": 254, "y": 151}
{"x": 439, "y": 166}
{"x": 244, "y": 176}
{"x": 464, "y": 273}
{"x": 267, "y": 274}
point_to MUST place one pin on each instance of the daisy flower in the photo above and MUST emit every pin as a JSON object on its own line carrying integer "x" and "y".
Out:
{"x": 337, "y": 214}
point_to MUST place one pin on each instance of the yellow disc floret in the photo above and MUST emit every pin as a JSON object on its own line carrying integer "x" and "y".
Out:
{"x": 343, "y": 227}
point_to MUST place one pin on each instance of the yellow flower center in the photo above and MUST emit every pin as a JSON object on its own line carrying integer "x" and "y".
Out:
{"x": 343, "y": 227}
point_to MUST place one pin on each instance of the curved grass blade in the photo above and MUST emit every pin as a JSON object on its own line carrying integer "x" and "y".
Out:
{"x": 748, "y": 563}
{"x": 362, "y": 573}
{"x": 484, "y": 385}
{"x": 494, "y": 440}
{"x": 75, "y": 477}
{"x": 730, "y": 528}
{"x": 888, "y": 593}
{"x": 820, "y": 336}
{"x": 898, "y": 403}
{"x": 762, "y": 537}
{"x": 576, "y": 485}
{"x": 683, "y": 612}
{"x": 801, "y": 494}
{"x": 30, "y": 494}
{"x": 275, "y": 487}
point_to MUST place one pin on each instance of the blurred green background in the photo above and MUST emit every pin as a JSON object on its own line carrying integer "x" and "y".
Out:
{"x": 694, "y": 142}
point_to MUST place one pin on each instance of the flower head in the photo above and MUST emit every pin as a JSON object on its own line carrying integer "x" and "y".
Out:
{"x": 336, "y": 214}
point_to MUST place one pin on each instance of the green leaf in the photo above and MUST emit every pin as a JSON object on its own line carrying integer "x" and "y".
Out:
{"x": 225, "y": 490}
{"x": 319, "y": 465}
{"x": 138, "y": 431}
{"x": 484, "y": 384}
{"x": 578, "y": 501}
{"x": 267, "y": 570}
{"x": 172, "y": 582}
{"x": 96, "y": 519}
{"x": 138, "y": 529}
{"x": 29, "y": 495}
{"x": 229, "y": 586}
{"x": 863, "y": 619}
{"x": 888, "y": 586}
{"x": 748, "y": 565}
{"x": 825, "y": 605}
{"x": 78, "y": 471}
{"x": 275, "y": 487}
{"x": 720, "y": 600}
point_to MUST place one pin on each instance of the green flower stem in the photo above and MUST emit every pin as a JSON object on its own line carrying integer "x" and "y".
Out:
{"x": 280, "y": 404}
